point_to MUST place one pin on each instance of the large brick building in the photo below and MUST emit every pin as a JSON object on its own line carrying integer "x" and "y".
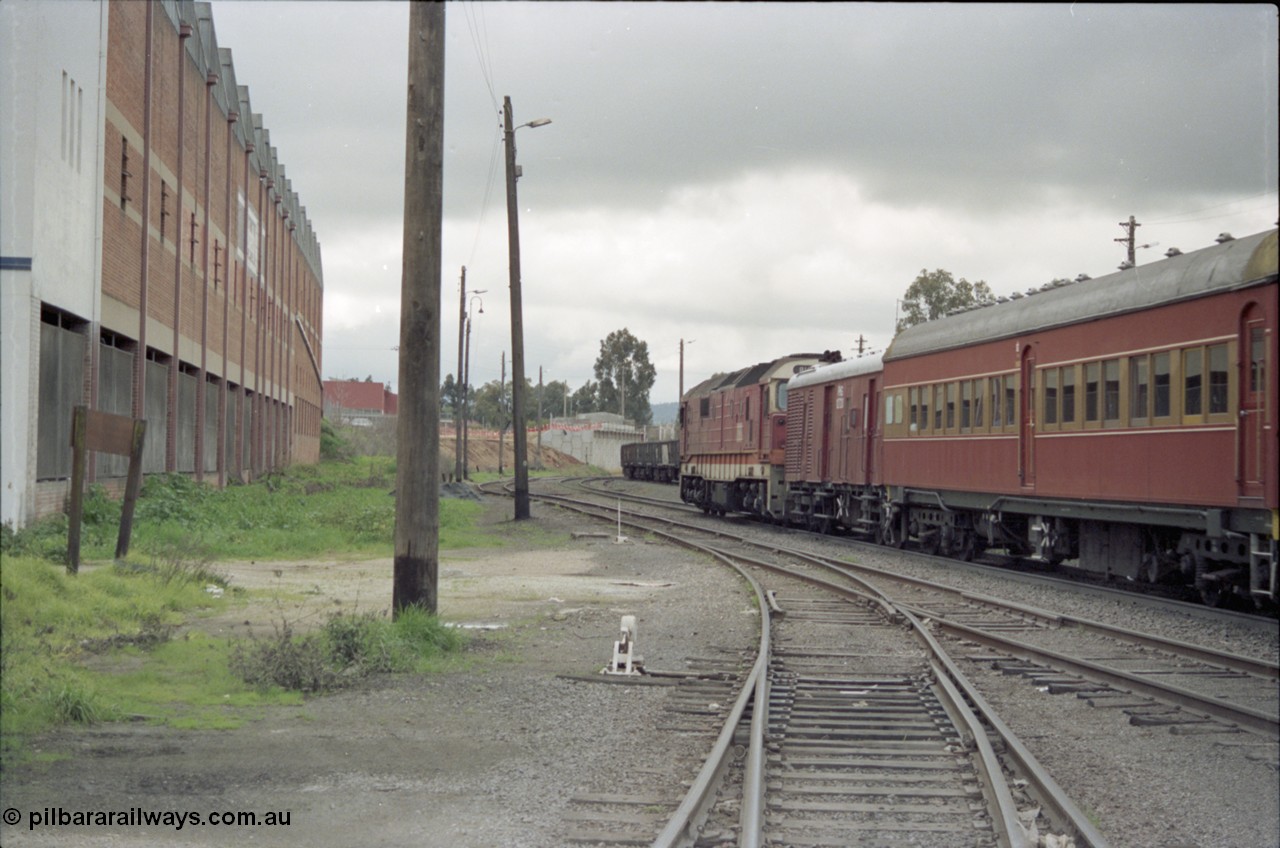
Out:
{"x": 155, "y": 261}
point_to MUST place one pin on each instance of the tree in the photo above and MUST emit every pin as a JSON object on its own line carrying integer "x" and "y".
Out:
{"x": 625, "y": 376}
{"x": 552, "y": 401}
{"x": 491, "y": 404}
{"x": 585, "y": 399}
{"x": 934, "y": 294}
{"x": 451, "y": 396}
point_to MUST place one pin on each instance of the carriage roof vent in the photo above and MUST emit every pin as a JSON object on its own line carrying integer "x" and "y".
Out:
{"x": 1015, "y": 295}
{"x": 1172, "y": 252}
{"x": 1224, "y": 237}
{"x": 1082, "y": 277}
{"x": 1126, "y": 265}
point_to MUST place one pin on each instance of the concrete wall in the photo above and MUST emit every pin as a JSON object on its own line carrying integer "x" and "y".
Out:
{"x": 591, "y": 440}
{"x": 50, "y": 222}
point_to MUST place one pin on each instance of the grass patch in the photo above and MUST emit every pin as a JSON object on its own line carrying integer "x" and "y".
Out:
{"x": 100, "y": 646}
{"x": 50, "y": 622}
{"x": 336, "y": 508}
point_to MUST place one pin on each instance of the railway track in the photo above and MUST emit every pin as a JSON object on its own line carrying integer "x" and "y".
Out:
{"x": 824, "y": 782}
{"x": 847, "y": 742}
{"x": 1155, "y": 680}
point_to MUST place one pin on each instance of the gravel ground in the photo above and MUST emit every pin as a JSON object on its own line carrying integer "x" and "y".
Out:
{"x": 490, "y": 754}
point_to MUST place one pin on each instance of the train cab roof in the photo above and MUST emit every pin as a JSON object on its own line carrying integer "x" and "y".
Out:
{"x": 1231, "y": 264}
{"x": 781, "y": 368}
{"x": 828, "y": 372}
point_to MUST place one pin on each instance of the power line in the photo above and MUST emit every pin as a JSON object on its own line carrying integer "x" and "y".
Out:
{"x": 1179, "y": 218}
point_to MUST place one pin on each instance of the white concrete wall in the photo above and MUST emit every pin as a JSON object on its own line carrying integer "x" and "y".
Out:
{"x": 52, "y": 74}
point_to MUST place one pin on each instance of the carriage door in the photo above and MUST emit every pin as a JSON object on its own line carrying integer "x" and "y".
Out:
{"x": 870, "y": 415}
{"x": 1253, "y": 407}
{"x": 1027, "y": 422}
{"x": 824, "y": 453}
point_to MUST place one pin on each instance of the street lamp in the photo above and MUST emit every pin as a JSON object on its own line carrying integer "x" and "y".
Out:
{"x": 466, "y": 383}
{"x": 517, "y": 324}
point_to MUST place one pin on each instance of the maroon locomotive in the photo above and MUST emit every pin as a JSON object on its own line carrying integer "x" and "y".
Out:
{"x": 1124, "y": 425}
{"x": 732, "y": 438}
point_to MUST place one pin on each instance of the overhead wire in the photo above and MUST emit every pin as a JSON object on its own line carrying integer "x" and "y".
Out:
{"x": 1180, "y": 218}
{"x": 479, "y": 38}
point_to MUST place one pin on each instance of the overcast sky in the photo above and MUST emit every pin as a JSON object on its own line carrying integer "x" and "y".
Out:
{"x": 760, "y": 179}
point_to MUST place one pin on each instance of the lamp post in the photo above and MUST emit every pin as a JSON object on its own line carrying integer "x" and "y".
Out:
{"x": 517, "y": 322}
{"x": 466, "y": 383}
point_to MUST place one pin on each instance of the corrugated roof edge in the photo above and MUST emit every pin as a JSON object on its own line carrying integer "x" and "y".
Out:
{"x": 1232, "y": 264}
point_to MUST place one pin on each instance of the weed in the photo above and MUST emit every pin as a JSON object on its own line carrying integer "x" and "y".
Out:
{"x": 300, "y": 663}
{"x": 73, "y": 704}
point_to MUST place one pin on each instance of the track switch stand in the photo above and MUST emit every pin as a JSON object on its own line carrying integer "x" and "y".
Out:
{"x": 624, "y": 659}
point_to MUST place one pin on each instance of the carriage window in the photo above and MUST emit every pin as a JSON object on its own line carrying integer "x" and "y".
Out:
{"x": 1217, "y": 378}
{"x": 1160, "y": 385}
{"x": 1068, "y": 395}
{"x": 951, "y": 406}
{"x": 1191, "y": 377}
{"x": 996, "y": 391}
{"x": 1051, "y": 396}
{"x": 966, "y": 405}
{"x": 1139, "y": 388}
{"x": 938, "y": 401}
{"x": 1010, "y": 402}
{"x": 1111, "y": 390}
{"x": 782, "y": 397}
{"x": 979, "y": 389}
{"x": 1091, "y": 374}
{"x": 924, "y": 407}
{"x": 704, "y": 407}
{"x": 913, "y": 404}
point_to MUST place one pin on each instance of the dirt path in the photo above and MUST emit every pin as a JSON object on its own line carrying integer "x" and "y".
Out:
{"x": 486, "y": 755}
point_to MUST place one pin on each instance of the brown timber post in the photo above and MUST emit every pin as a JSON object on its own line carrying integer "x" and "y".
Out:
{"x": 417, "y": 531}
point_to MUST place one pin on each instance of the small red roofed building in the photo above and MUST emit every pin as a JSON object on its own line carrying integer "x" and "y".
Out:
{"x": 359, "y": 403}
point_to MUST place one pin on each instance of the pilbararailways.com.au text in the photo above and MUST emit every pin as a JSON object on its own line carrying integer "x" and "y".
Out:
{"x": 139, "y": 817}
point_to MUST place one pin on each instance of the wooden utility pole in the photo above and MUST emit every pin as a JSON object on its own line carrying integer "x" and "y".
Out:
{"x": 521, "y": 494}
{"x": 459, "y": 412}
{"x": 1130, "y": 227}
{"x": 417, "y": 536}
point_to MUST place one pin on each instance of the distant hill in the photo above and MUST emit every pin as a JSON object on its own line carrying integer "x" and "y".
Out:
{"x": 665, "y": 413}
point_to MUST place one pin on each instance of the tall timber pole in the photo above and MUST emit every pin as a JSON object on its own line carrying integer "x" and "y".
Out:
{"x": 417, "y": 535}
{"x": 517, "y": 321}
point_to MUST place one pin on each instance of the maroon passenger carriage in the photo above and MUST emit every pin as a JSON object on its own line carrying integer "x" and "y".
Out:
{"x": 1127, "y": 423}
{"x": 732, "y": 437}
{"x": 833, "y": 452}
